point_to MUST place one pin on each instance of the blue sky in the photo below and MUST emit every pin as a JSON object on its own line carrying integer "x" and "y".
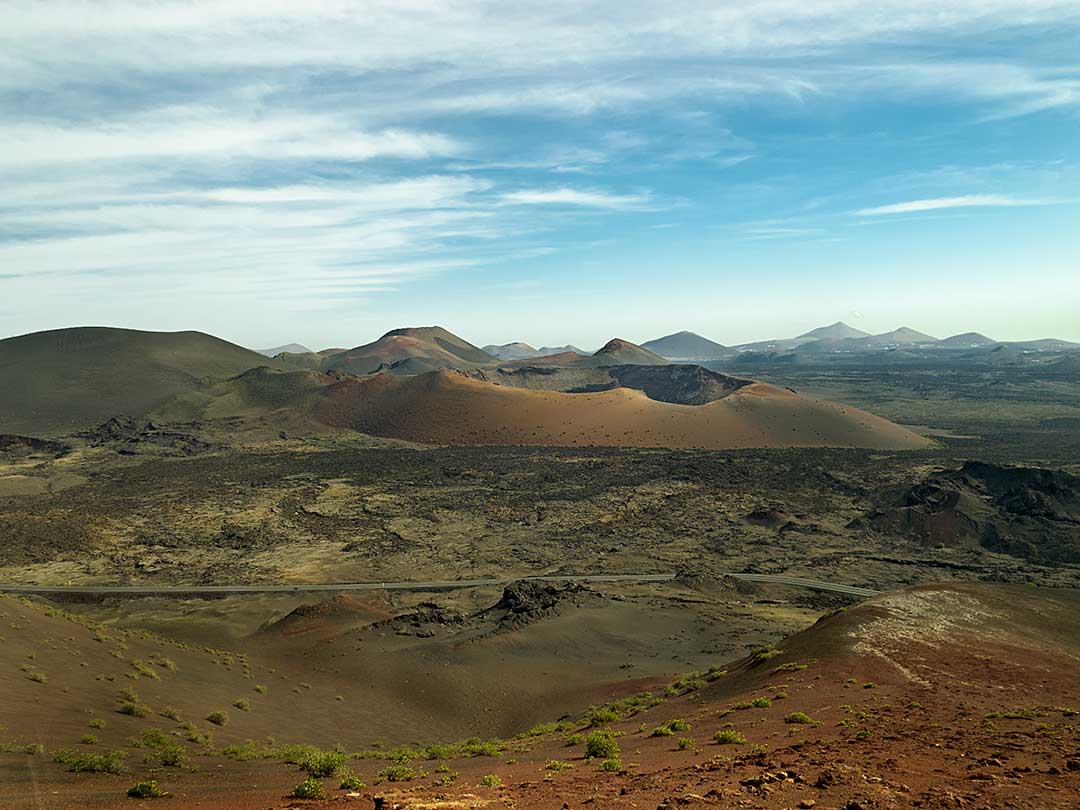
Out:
{"x": 322, "y": 172}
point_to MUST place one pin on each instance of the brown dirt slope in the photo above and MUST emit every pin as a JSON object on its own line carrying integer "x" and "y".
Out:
{"x": 410, "y": 350}
{"x": 943, "y": 696}
{"x": 450, "y": 408}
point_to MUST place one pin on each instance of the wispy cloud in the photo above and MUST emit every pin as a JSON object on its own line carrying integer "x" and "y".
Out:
{"x": 938, "y": 203}
{"x": 579, "y": 197}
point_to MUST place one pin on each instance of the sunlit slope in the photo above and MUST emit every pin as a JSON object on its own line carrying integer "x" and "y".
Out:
{"x": 447, "y": 407}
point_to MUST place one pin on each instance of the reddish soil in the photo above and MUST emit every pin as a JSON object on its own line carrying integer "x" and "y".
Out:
{"x": 951, "y": 696}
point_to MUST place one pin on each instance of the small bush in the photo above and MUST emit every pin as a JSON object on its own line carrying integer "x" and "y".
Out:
{"x": 350, "y": 781}
{"x": 491, "y": 780}
{"x": 761, "y": 703}
{"x": 670, "y": 727}
{"x": 662, "y": 731}
{"x": 97, "y": 722}
{"x": 780, "y": 696}
{"x": 147, "y": 790}
{"x": 110, "y": 762}
{"x": 134, "y": 709}
{"x": 685, "y": 743}
{"x": 575, "y": 739}
{"x": 88, "y": 739}
{"x": 171, "y": 756}
{"x": 612, "y": 765}
{"x": 729, "y": 736}
{"x": 601, "y": 745}
{"x": 218, "y": 718}
{"x": 37, "y": 677}
{"x": 323, "y": 764}
{"x": 863, "y": 734}
{"x": 171, "y": 713}
{"x": 557, "y": 765}
{"x": 260, "y": 689}
{"x": 799, "y": 718}
{"x": 762, "y": 655}
{"x": 310, "y": 788}
{"x": 397, "y": 773}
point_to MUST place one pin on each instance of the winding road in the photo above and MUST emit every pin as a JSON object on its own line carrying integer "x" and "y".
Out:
{"x": 433, "y": 585}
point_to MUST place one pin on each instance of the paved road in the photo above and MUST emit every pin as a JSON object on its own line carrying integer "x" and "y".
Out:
{"x": 434, "y": 585}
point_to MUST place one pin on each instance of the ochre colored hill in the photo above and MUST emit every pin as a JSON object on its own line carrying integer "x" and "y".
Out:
{"x": 412, "y": 350}
{"x": 619, "y": 352}
{"x": 450, "y": 408}
{"x": 68, "y": 379}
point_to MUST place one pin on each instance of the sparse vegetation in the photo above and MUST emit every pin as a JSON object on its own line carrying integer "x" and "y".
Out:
{"x": 350, "y": 781}
{"x": 601, "y": 744}
{"x": 729, "y": 736}
{"x": 147, "y": 790}
{"x": 491, "y": 781}
{"x": 323, "y": 764}
{"x": 557, "y": 765}
{"x": 310, "y": 788}
{"x": 88, "y": 739}
{"x": 97, "y": 722}
{"x": 761, "y": 703}
{"x": 799, "y": 718}
{"x": 243, "y": 705}
{"x": 37, "y": 677}
{"x": 685, "y": 743}
{"x": 110, "y": 762}
{"x": 218, "y": 718}
{"x": 613, "y": 765}
{"x": 397, "y": 773}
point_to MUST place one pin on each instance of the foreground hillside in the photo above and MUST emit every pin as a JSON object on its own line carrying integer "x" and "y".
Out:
{"x": 942, "y": 696}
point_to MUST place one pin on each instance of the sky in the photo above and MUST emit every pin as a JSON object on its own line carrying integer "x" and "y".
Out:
{"x": 322, "y": 172}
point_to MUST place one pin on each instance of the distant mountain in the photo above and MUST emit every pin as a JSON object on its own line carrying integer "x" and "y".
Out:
{"x": 291, "y": 348}
{"x": 967, "y": 340}
{"x": 836, "y": 331}
{"x": 413, "y": 350}
{"x": 71, "y": 379}
{"x": 685, "y": 346}
{"x": 1044, "y": 344}
{"x": 546, "y": 351}
{"x": 898, "y": 337}
{"x": 619, "y": 352}
{"x": 510, "y": 351}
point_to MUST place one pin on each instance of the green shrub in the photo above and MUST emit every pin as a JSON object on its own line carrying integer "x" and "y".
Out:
{"x": 557, "y": 765}
{"x": 243, "y": 705}
{"x": 134, "y": 709}
{"x": 601, "y": 744}
{"x": 762, "y": 655}
{"x": 685, "y": 743}
{"x": 662, "y": 731}
{"x": 350, "y": 781}
{"x": 863, "y": 734}
{"x": 110, "y": 762}
{"x": 575, "y": 739}
{"x": 97, "y": 722}
{"x": 670, "y": 727}
{"x": 147, "y": 790}
{"x": 171, "y": 713}
{"x": 37, "y": 677}
{"x": 88, "y": 739}
{"x": 218, "y": 718}
{"x": 397, "y": 773}
{"x": 761, "y": 703}
{"x": 612, "y": 765}
{"x": 729, "y": 736}
{"x": 491, "y": 780}
{"x": 323, "y": 764}
{"x": 799, "y": 718}
{"x": 171, "y": 756}
{"x": 310, "y": 788}
{"x": 260, "y": 689}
